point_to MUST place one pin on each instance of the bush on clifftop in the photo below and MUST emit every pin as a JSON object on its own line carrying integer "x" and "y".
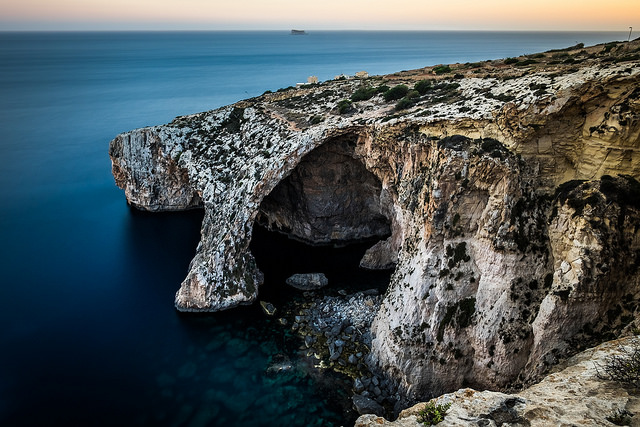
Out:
{"x": 396, "y": 92}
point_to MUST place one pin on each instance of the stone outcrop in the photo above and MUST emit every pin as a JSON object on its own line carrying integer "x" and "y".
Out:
{"x": 506, "y": 197}
{"x": 575, "y": 395}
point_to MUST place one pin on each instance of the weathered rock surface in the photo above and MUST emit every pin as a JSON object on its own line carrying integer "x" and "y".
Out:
{"x": 364, "y": 405}
{"x": 572, "y": 396}
{"x": 308, "y": 281}
{"x": 515, "y": 243}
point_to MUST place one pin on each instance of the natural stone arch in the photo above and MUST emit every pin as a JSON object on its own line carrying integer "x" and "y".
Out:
{"x": 328, "y": 198}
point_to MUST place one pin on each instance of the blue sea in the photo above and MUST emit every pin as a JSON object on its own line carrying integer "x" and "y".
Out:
{"x": 88, "y": 331}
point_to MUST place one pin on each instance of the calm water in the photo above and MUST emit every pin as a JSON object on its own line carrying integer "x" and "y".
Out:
{"x": 88, "y": 331}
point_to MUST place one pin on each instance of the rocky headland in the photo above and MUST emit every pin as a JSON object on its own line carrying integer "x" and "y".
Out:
{"x": 504, "y": 194}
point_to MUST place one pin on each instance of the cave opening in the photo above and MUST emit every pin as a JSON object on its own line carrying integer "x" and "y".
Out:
{"x": 327, "y": 215}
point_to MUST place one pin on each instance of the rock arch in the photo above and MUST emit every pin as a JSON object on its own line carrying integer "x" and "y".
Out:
{"x": 329, "y": 198}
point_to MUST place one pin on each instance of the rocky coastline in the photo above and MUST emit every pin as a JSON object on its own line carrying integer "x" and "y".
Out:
{"x": 504, "y": 194}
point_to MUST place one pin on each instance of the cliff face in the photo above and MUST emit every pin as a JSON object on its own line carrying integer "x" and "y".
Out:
{"x": 574, "y": 395}
{"x": 515, "y": 242}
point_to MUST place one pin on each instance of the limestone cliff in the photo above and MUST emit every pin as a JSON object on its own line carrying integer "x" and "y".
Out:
{"x": 573, "y": 395}
{"x": 506, "y": 195}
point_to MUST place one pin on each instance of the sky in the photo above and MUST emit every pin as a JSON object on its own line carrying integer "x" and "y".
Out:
{"x": 614, "y": 15}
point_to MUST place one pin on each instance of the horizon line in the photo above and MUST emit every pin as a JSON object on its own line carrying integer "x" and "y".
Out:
{"x": 179, "y": 30}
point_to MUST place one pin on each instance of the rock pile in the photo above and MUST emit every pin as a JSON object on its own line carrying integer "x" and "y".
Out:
{"x": 336, "y": 334}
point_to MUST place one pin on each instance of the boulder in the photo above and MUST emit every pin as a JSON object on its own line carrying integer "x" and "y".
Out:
{"x": 308, "y": 282}
{"x": 364, "y": 405}
{"x": 268, "y": 308}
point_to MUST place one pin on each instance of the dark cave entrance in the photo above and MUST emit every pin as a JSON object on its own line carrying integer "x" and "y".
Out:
{"x": 324, "y": 217}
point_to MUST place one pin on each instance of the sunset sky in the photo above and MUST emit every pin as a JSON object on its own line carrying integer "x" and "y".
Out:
{"x": 616, "y": 15}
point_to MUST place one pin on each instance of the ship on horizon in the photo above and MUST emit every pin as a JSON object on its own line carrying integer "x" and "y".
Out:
{"x": 298, "y": 32}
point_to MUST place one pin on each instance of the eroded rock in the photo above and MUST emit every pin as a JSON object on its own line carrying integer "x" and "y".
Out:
{"x": 308, "y": 281}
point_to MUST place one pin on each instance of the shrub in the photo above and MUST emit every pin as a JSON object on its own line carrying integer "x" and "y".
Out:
{"x": 623, "y": 366}
{"x": 423, "y": 86}
{"x": 432, "y": 414}
{"x": 511, "y": 61}
{"x": 363, "y": 93}
{"x": 442, "y": 69}
{"x": 316, "y": 119}
{"x": 345, "y": 106}
{"x": 526, "y": 62}
{"x": 404, "y": 103}
{"x": 396, "y": 92}
{"x": 413, "y": 94}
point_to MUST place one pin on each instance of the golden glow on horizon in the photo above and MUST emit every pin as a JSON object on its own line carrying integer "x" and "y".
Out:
{"x": 329, "y": 14}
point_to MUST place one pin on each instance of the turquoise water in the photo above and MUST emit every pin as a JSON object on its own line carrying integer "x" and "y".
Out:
{"x": 89, "y": 333}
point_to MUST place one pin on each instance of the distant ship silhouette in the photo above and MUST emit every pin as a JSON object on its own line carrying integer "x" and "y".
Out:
{"x": 298, "y": 32}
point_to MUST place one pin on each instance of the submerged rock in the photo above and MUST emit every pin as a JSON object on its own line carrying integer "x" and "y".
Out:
{"x": 308, "y": 281}
{"x": 279, "y": 363}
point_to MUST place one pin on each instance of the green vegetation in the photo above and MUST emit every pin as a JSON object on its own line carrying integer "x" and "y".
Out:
{"x": 442, "y": 69}
{"x": 423, "y": 86}
{"x": 316, "y": 119}
{"x": 526, "y": 62}
{"x": 432, "y": 414}
{"x": 404, "y": 103}
{"x": 345, "y": 106}
{"x": 511, "y": 61}
{"x": 364, "y": 93}
{"x": 396, "y": 93}
{"x": 578, "y": 46}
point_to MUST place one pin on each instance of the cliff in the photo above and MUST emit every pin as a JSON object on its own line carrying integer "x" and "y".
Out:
{"x": 504, "y": 192}
{"x": 575, "y": 394}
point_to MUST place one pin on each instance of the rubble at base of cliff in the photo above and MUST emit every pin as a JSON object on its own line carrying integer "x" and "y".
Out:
{"x": 335, "y": 331}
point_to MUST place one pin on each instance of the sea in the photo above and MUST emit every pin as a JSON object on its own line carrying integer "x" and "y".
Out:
{"x": 88, "y": 332}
